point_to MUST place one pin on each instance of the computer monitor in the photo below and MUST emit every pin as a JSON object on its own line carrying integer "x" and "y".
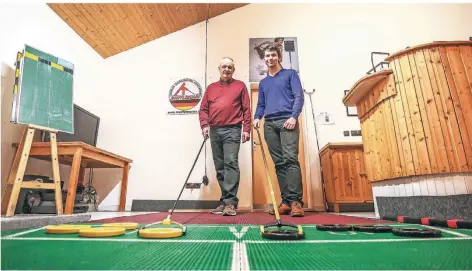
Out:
{"x": 85, "y": 128}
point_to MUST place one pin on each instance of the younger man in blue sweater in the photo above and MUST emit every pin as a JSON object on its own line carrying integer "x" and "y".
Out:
{"x": 280, "y": 102}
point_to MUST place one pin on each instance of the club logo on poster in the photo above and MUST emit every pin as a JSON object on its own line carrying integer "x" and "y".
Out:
{"x": 184, "y": 95}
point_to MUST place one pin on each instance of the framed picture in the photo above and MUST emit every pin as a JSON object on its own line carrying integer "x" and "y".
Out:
{"x": 288, "y": 48}
{"x": 351, "y": 111}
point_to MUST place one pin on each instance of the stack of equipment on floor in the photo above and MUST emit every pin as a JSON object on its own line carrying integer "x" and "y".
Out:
{"x": 400, "y": 231}
{"x": 166, "y": 229}
{"x": 277, "y": 233}
{"x": 42, "y": 201}
{"x": 361, "y": 228}
{"x": 372, "y": 228}
{"x": 125, "y": 225}
{"x": 85, "y": 230}
{"x": 108, "y": 229}
{"x": 65, "y": 229}
{"x": 102, "y": 232}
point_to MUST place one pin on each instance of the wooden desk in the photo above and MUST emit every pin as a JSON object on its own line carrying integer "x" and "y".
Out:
{"x": 81, "y": 156}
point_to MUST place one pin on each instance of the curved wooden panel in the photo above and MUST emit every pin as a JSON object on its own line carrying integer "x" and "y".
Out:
{"x": 418, "y": 120}
{"x": 363, "y": 86}
{"x": 409, "y": 50}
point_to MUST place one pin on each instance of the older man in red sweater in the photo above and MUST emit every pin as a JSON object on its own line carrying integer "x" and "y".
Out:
{"x": 225, "y": 117}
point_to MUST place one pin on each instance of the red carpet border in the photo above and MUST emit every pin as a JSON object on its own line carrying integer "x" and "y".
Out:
{"x": 243, "y": 219}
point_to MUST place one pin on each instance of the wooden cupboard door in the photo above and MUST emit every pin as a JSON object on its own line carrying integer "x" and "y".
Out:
{"x": 366, "y": 185}
{"x": 348, "y": 183}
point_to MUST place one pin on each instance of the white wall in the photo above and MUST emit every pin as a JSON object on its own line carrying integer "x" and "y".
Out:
{"x": 129, "y": 91}
{"x": 37, "y": 25}
{"x": 163, "y": 147}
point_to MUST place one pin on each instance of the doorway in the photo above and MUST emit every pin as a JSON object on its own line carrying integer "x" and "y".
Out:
{"x": 260, "y": 188}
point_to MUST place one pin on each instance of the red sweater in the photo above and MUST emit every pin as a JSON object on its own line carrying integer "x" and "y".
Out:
{"x": 224, "y": 105}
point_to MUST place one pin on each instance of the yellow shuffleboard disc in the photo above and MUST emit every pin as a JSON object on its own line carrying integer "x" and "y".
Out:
{"x": 65, "y": 229}
{"x": 161, "y": 233}
{"x": 127, "y": 225}
{"x": 102, "y": 232}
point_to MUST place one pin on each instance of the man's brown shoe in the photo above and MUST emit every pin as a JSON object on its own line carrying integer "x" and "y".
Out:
{"x": 297, "y": 209}
{"x": 284, "y": 209}
{"x": 229, "y": 209}
{"x": 218, "y": 210}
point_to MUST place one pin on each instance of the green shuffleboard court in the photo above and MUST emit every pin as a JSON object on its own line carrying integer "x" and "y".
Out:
{"x": 237, "y": 247}
{"x": 43, "y": 91}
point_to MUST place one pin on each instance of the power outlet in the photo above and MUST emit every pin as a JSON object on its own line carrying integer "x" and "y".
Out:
{"x": 193, "y": 185}
{"x": 346, "y": 133}
{"x": 356, "y": 133}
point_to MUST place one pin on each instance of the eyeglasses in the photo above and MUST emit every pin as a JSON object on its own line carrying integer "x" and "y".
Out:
{"x": 229, "y": 67}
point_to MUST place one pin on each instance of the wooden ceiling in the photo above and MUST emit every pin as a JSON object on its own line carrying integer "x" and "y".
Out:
{"x": 114, "y": 28}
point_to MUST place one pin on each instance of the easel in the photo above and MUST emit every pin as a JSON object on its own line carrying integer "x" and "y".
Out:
{"x": 15, "y": 178}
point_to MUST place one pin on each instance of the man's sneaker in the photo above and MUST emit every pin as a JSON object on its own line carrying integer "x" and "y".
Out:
{"x": 297, "y": 209}
{"x": 230, "y": 209}
{"x": 284, "y": 209}
{"x": 218, "y": 210}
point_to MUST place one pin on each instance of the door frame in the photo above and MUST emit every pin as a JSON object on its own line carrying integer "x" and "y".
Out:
{"x": 254, "y": 87}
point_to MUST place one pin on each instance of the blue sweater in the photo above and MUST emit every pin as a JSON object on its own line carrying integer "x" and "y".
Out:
{"x": 280, "y": 96}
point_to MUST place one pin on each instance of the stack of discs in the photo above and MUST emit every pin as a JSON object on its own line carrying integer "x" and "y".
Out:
{"x": 126, "y": 225}
{"x": 101, "y": 232}
{"x": 65, "y": 229}
{"x": 158, "y": 233}
{"x": 106, "y": 230}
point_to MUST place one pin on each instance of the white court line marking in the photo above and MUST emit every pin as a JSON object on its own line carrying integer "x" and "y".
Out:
{"x": 226, "y": 226}
{"x": 244, "y": 259}
{"x": 448, "y": 231}
{"x": 236, "y": 262}
{"x": 240, "y": 261}
{"x": 240, "y": 234}
{"x": 240, "y": 258}
{"x": 258, "y": 226}
{"x": 23, "y": 232}
{"x": 361, "y": 241}
{"x": 131, "y": 232}
{"x": 392, "y": 225}
{"x": 233, "y": 241}
{"x": 118, "y": 240}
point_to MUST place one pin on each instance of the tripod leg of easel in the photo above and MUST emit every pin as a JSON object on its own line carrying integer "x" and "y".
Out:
{"x": 56, "y": 175}
{"x": 15, "y": 179}
{"x": 11, "y": 176}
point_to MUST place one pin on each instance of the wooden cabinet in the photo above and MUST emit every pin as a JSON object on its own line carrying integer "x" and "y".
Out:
{"x": 344, "y": 176}
{"x": 416, "y": 116}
